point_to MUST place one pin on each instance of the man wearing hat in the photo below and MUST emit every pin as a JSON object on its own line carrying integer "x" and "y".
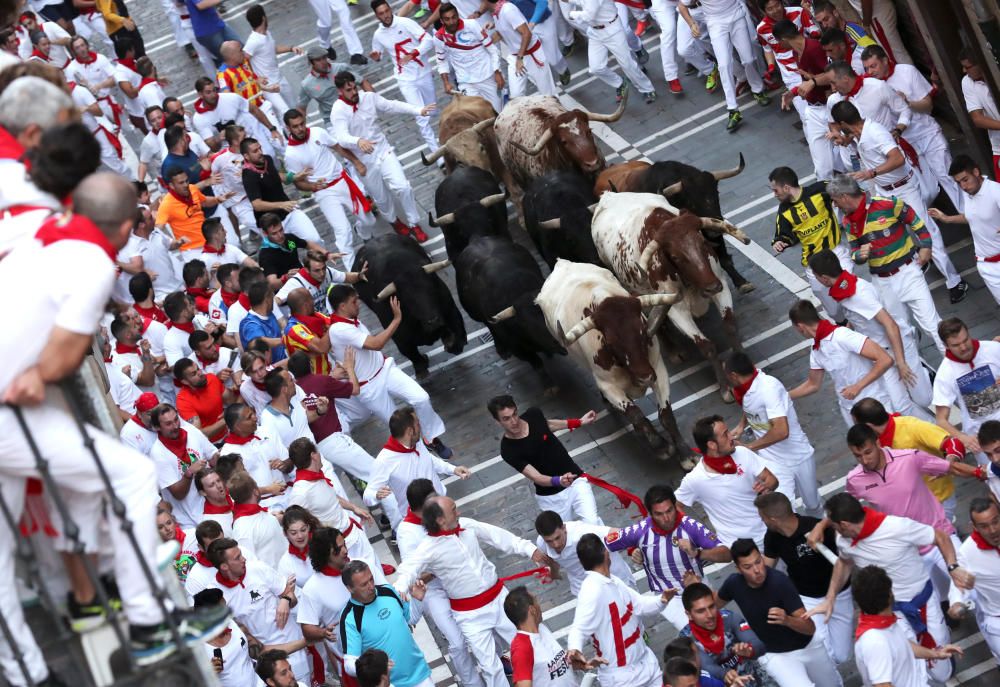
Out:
{"x": 137, "y": 432}
{"x": 318, "y": 83}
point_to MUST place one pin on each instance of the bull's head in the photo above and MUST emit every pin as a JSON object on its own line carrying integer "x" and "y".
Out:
{"x": 625, "y": 341}
{"x": 525, "y": 321}
{"x": 418, "y": 299}
{"x": 466, "y": 147}
{"x": 699, "y": 193}
{"x": 571, "y": 131}
{"x": 449, "y": 218}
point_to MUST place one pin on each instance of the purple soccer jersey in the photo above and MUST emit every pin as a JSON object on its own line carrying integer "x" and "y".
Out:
{"x": 664, "y": 562}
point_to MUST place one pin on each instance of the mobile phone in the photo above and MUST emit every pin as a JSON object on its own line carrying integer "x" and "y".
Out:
{"x": 218, "y": 654}
{"x": 310, "y": 401}
{"x": 232, "y": 359}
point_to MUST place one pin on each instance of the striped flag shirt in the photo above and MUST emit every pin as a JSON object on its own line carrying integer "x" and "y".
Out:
{"x": 664, "y": 562}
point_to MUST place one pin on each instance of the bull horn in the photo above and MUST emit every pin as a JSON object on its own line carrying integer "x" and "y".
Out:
{"x": 504, "y": 314}
{"x": 611, "y": 186}
{"x": 725, "y": 227}
{"x": 542, "y": 142}
{"x": 673, "y": 189}
{"x": 490, "y": 201}
{"x": 433, "y": 267}
{"x": 647, "y": 254}
{"x": 389, "y": 290}
{"x": 652, "y": 300}
{"x": 614, "y": 116}
{"x": 726, "y": 173}
{"x": 442, "y": 220}
{"x": 428, "y": 160}
{"x": 581, "y": 328}
{"x": 554, "y": 223}
{"x": 479, "y": 127}
{"x": 592, "y": 208}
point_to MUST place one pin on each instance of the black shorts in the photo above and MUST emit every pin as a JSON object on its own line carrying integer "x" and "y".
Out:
{"x": 59, "y": 11}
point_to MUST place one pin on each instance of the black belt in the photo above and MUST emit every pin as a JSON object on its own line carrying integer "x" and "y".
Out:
{"x": 895, "y": 271}
{"x": 897, "y": 184}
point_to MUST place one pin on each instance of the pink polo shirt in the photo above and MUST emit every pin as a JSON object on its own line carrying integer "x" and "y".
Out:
{"x": 900, "y": 490}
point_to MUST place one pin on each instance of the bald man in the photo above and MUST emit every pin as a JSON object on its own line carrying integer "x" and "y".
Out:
{"x": 237, "y": 76}
{"x": 308, "y": 331}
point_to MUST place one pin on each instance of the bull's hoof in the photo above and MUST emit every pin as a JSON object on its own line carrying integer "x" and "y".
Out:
{"x": 688, "y": 462}
{"x": 727, "y": 395}
{"x": 747, "y": 287}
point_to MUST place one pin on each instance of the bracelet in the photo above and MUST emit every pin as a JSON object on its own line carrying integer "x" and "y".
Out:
{"x": 289, "y": 177}
{"x": 286, "y": 598}
{"x": 556, "y": 481}
{"x": 979, "y": 473}
{"x": 573, "y": 423}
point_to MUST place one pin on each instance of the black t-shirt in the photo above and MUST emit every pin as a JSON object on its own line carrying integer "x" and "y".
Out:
{"x": 777, "y": 591}
{"x": 265, "y": 185}
{"x": 282, "y": 259}
{"x": 808, "y": 570}
{"x": 540, "y": 449}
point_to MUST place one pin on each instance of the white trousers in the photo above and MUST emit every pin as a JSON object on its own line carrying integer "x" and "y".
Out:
{"x": 798, "y": 480}
{"x": 487, "y": 90}
{"x": 109, "y": 156}
{"x": 244, "y": 215}
{"x": 937, "y": 569}
{"x": 810, "y": 666}
{"x": 574, "y": 503}
{"x": 437, "y": 606}
{"x": 884, "y": 29}
{"x": 935, "y": 159}
{"x": 695, "y": 51}
{"x": 989, "y": 625}
{"x": 547, "y": 32}
{"x": 339, "y": 449}
{"x": 359, "y": 548}
{"x": 92, "y": 27}
{"x": 911, "y": 195}
{"x": 611, "y": 39}
{"x": 335, "y": 202}
{"x": 645, "y": 672}
{"x": 838, "y": 632}
{"x": 832, "y": 307}
{"x": 910, "y": 400}
{"x": 633, "y": 42}
{"x": 174, "y": 17}
{"x": 990, "y": 272}
{"x": 727, "y": 33}
{"x": 378, "y": 397}
{"x": 279, "y": 101}
{"x": 665, "y": 15}
{"x": 910, "y": 287}
{"x": 324, "y": 10}
{"x": 386, "y": 179}
{"x": 420, "y": 93}
{"x": 814, "y": 126}
{"x": 478, "y": 627}
{"x": 938, "y": 670}
{"x": 297, "y": 222}
{"x": 536, "y": 70}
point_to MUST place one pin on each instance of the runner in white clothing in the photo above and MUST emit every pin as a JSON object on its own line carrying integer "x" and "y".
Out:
{"x": 463, "y": 46}
{"x": 214, "y": 111}
{"x": 558, "y": 539}
{"x": 91, "y": 115}
{"x": 770, "y": 418}
{"x": 980, "y": 555}
{"x": 409, "y": 48}
{"x": 263, "y": 53}
{"x": 228, "y": 164}
{"x": 96, "y": 73}
{"x": 536, "y": 656}
{"x": 354, "y": 126}
{"x": 255, "y": 527}
{"x": 324, "y": 10}
{"x": 179, "y": 453}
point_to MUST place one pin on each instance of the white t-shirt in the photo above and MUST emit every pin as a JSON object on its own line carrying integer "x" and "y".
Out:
{"x": 506, "y": 23}
{"x": 230, "y": 108}
{"x": 885, "y": 657}
{"x": 237, "y": 668}
{"x": 257, "y": 455}
{"x": 874, "y": 146}
{"x": 150, "y": 94}
{"x": 569, "y": 562}
{"x": 404, "y": 37}
{"x": 469, "y": 51}
{"x": 230, "y": 166}
{"x": 138, "y": 437}
{"x": 865, "y": 304}
{"x": 314, "y": 153}
{"x": 538, "y": 657}
{"x": 972, "y": 387}
{"x": 923, "y": 132}
{"x": 318, "y": 292}
{"x": 229, "y": 254}
{"x": 255, "y": 602}
{"x": 895, "y": 547}
{"x": 985, "y": 565}
{"x": 92, "y": 73}
{"x": 766, "y": 400}
{"x": 169, "y": 470}
{"x": 728, "y": 499}
{"x": 366, "y": 362}
{"x": 132, "y": 105}
{"x": 261, "y": 50}
{"x": 978, "y": 97}
{"x": 59, "y": 54}
{"x": 123, "y": 390}
{"x": 322, "y": 602}
{"x": 150, "y": 154}
{"x": 398, "y": 470}
{"x": 157, "y": 258}
{"x": 261, "y": 535}
{"x": 983, "y": 213}
{"x": 840, "y": 355}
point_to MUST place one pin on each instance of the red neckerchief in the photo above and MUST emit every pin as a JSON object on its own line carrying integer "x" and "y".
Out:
{"x": 412, "y": 517}
{"x": 740, "y": 390}
{"x": 297, "y": 552}
{"x": 353, "y": 106}
{"x": 128, "y": 62}
{"x": 137, "y": 420}
{"x": 714, "y": 641}
{"x": 212, "y": 250}
{"x": 244, "y": 300}
{"x": 125, "y": 348}
{"x": 448, "y": 533}
{"x": 254, "y": 168}
{"x": 145, "y": 81}
{"x": 982, "y": 544}
{"x": 108, "y": 360}
{"x": 311, "y": 476}
{"x": 184, "y": 327}
{"x": 202, "y": 107}
{"x": 724, "y": 464}
{"x": 227, "y": 583}
{"x": 304, "y": 273}
{"x": 887, "y": 435}
{"x": 152, "y": 313}
{"x": 856, "y": 219}
{"x": 824, "y": 329}
{"x": 338, "y": 318}
{"x": 206, "y": 363}
{"x": 332, "y": 572}
{"x": 873, "y": 519}
{"x": 845, "y": 286}
{"x": 76, "y": 228}
{"x": 316, "y": 323}
{"x": 201, "y": 297}
{"x": 91, "y": 58}
{"x": 179, "y": 535}
{"x": 873, "y": 622}
{"x": 970, "y": 362}
{"x": 228, "y": 298}
{"x": 859, "y": 81}
{"x": 259, "y": 385}
{"x": 40, "y": 55}
{"x": 203, "y": 559}
{"x": 212, "y": 509}
{"x": 187, "y": 200}
{"x": 292, "y": 141}
{"x": 10, "y": 148}
{"x": 242, "y": 509}
{"x": 678, "y": 516}
{"x": 178, "y": 446}
{"x": 394, "y": 445}
{"x": 238, "y": 440}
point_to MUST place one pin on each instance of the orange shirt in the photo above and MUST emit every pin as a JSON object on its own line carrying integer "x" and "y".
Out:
{"x": 205, "y": 404}
{"x": 185, "y": 217}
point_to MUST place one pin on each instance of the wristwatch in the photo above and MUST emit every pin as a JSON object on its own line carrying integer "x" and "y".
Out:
{"x": 286, "y": 598}
{"x": 952, "y": 567}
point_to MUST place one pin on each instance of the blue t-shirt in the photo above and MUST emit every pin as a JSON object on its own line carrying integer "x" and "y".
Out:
{"x": 253, "y": 326}
{"x": 189, "y": 163}
{"x": 204, "y": 22}
{"x": 384, "y": 624}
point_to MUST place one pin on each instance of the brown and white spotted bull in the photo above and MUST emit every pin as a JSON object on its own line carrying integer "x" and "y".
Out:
{"x": 603, "y": 327}
{"x": 652, "y": 248}
{"x": 537, "y": 134}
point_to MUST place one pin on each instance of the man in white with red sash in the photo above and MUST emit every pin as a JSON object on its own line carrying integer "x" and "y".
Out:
{"x": 96, "y": 73}
{"x": 607, "y": 611}
{"x": 463, "y": 46}
{"x": 452, "y": 553}
{"x": 112, "y": 152}
{"x": 254, "y": 526}
{"x": 525, "y": 54}
{"x": 179, "y": 453}
{"x": 980, "y": 555}
{"x": 311, "y": 148}
{"x": 261, "y": 449}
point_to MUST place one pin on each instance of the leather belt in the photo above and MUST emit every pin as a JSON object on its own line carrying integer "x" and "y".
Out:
{"x": 895, "y": 271}
{"x": 897, "y": 184}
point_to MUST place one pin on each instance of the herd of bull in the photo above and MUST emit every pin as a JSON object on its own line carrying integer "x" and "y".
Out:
{"x": 631, "y": 248}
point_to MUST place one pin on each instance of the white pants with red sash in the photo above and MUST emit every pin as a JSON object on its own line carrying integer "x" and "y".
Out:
{"x": 536, "y": 70}
{"x": 345, "y": 195}
{"x": 438, "y": 608}
{"x": 485, "y": 89}
{"x": 479, "y": 625}
{"x": 611, "y": 40}
{"x": 990, "y": 272}
{"x": 385, "y": 180}
{"x": 576, "y": 502}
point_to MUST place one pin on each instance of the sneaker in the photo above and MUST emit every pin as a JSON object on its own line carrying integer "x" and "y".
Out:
{"x": 191, "y": 52}
{"x": 420, "y": 13}
{"x": 383, "y": 522}
{"x": 735, "y": 120}
{"x": 84, "y": 616}
{"x": 621, "y": 91}
{"x": 712, "y": 81}
{"x": 650, "y": 97}
{"x": 640, "y": 28}
{"x": 690, "y": 70}
{"x": 444, "y": 453}
{"x": 565, "y": 77}
{"x": 958, "y": 292}
{"x": 352, "y": 2}
{"x": 675, "y": 86}
{"x": 567, "y": 50}
{"x": 741, "y": 88}
{"x": 400, "y": 228}
{"x": 642, "y": 56}
{"x": 331, "y": 54}
{"x": 152, "y": 643}
{"x": 418, "y": 233}
{"x": 359, "y": 59}
{"x": 763, "y": 99}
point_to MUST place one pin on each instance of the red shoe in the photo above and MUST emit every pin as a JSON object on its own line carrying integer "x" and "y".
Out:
{"x": 675, "y": 86}
{"x": 387, "y": 569}
{"x": 418, "y": 233}
{"x": 400, "y": 228}
{"x": 640, "y": 28}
